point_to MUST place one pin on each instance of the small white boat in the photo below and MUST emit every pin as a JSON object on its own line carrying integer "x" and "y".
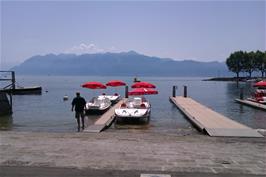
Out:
{"x": 260, "y": 92}
{"x": 259, "y": 96}
{"x": 113, "y": 98}
{"x": 134, "y": 108}
{"x": 98, "y": 104}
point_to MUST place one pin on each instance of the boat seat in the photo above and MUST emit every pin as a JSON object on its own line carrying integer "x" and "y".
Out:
{"x": 137, "y": 101}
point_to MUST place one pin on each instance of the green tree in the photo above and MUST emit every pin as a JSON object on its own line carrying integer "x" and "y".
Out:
{"x": 264, "y": 64}
{"x": 260, "y": 60}
{"x": 249, "y": 62}
{"x": 235, "y": 62}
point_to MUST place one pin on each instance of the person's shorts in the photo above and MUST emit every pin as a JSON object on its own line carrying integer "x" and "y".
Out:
{"x": 79, "y": 114}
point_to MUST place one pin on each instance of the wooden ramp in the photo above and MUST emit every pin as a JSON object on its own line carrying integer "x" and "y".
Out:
{"x": 210, "y": 121}
{"x": 104, "y": 121}
{"x": 252, "y": 104}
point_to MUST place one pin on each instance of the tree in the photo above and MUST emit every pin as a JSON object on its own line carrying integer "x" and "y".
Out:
{"x": 249, "y": 62}
{"x": 235, "y": 62}
{"x": 260, "y": 61}
{"x": 264, "y": 64}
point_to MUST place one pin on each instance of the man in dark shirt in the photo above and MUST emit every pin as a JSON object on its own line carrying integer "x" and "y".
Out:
{"x": 79, "y": 104}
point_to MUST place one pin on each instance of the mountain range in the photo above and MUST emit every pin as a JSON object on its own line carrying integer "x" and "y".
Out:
{"x": 117, "y": 64}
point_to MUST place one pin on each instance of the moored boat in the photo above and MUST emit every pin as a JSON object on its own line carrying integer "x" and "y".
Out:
{"x": 98, "y": 104}
{"x": 260, "y": 93}
{"x": 136, "y": 79}
{"x": 113, "y": 98}
{"x": 134, "y": 108}
{"x": 137, "y": 107}
{"x": 114, "y": 83}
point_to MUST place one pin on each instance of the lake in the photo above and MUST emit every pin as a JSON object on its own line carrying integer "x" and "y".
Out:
{"x": 49, "y": 113}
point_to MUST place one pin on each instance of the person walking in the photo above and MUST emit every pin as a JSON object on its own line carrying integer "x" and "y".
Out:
{"x": 79, "y": 104}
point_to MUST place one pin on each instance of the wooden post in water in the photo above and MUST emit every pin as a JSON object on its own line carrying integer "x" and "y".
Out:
{"x": 11, "y": 102}
{"x": 185, "y": 91}
{"x": 126, "y": 91}
{"x": 241, "y": 95}
{"x": 174, "y": 92}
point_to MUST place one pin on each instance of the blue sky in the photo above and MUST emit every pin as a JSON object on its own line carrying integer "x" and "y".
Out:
{"x": 198, "y": 30}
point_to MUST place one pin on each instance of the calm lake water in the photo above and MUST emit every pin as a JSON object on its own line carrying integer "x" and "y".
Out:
{"x": 49, "y": 113}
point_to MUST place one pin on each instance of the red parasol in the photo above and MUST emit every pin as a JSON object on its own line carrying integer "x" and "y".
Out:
{"x": 260, "y": 84}
{"x": 143, "y": 91}
{"x": 93, "y": 85}
{"x": 115, "y": 83}
{"x": 143, "y": 85}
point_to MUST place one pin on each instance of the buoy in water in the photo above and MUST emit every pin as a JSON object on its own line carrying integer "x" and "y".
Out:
{"x": 65, "y": 98}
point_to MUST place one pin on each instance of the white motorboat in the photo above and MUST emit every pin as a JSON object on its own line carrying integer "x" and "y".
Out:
{"x": 133, "y": 108}
{"x": 113, "y": 98}
{"x": 98, "y": 104}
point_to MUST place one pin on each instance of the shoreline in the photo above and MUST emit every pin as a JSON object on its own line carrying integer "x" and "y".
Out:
{"x": 234, "y": 79}
{"x": 134, "y": 151}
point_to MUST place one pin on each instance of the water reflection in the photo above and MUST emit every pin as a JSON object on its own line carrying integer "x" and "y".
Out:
{"x": 244, "y": 114}
{"x": 6, "y": 122}
{"x": 130, "y": 123}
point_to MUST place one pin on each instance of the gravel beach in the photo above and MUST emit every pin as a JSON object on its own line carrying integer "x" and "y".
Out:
{"x": 131, "y": 153}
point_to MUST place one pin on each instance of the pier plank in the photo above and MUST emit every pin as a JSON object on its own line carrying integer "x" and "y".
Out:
{"x": 210, "y": 121}
{"x": 105, "y": 119}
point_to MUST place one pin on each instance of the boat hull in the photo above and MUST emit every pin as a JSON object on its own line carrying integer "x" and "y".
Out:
{"x": 133, "y": 116}
{"x": 95, "y": 111}
{"x": 130, "y": 119}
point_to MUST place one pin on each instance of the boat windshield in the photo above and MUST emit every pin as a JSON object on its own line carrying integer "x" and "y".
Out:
{"x": 135, "y": 102}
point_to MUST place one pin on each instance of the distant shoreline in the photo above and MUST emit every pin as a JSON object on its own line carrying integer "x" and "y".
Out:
{"x": 241, "y": 79}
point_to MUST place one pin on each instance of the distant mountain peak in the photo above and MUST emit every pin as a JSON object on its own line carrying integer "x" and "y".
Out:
{"x": 132, "y": 52}
{"x": 128, "y": 63}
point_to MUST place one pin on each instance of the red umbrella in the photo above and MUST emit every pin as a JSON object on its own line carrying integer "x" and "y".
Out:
{"x": 143, "y": 91}
{"x": 260, "y": 84}
{"x": 115, "y": 83}
{"x": 93, "y": 85}
{"x": 143, "y": 85}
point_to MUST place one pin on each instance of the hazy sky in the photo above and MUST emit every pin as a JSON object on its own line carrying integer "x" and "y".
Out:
{"x": 199, "y": 30}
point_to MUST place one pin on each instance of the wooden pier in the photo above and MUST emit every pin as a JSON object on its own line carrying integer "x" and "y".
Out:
{"x": 11, "y": 88}
{"x": 252, "y": 104}
{"x": 105, "y": 120}
{"x": 211, "y": 122}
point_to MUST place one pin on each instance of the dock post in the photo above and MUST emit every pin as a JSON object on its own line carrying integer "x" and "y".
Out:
{"x": 11, "y": 102}
{"x": 173, "y": 93}
{"x": 126, "y": 91}
{"x": 241, "y": 95}
{"x": 185, "y": 91}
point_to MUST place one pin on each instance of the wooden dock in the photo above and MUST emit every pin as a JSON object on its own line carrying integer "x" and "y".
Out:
{"x": 211, "y": 122}
{"x": 252, "y": 104}
{"x": 104, "y": 121}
